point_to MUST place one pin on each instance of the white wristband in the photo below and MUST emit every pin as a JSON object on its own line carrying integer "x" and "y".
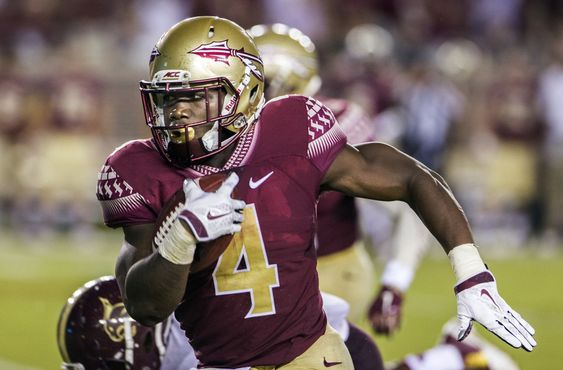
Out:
{"x": 397, "y": 275}
{"x": 466, "y": 261}
{"x": 177, "y": 245}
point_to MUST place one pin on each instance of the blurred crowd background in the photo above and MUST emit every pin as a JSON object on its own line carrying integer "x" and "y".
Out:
{"x": 472, "y": 88}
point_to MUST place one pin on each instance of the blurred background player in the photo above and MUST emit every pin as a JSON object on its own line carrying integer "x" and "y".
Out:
{"x": 473, "y": 353}
{"x": 345, "y": 268}
{"x": 95, "y": 332}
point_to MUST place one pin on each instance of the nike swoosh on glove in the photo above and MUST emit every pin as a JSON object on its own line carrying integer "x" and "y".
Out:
{"x": 478, "y": 299}
{"x": 212, "y": 214}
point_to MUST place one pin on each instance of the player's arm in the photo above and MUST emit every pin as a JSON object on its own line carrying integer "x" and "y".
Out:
{"x": 379, "y": 171}
{"x": 151, "y": 285}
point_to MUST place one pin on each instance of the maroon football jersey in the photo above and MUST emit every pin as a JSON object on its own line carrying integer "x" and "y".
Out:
{"x": 337, "y": 217}
{"x": 259, "y": 304}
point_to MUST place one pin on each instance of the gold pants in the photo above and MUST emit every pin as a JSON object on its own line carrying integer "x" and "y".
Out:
{"x": 329, "y": 351}
{"x": 350, "y": 275}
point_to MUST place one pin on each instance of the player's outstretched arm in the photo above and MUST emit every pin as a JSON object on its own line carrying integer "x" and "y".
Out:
{"x": 379, "y": 171}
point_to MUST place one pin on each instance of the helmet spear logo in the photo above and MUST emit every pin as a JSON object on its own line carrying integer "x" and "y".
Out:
{"x": 220, "y": 51}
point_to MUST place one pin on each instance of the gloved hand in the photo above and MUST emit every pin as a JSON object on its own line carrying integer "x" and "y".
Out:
{"x": 210, "y": 215}
{"x": 385, "y": 311}
{"x": 478, "y": 299}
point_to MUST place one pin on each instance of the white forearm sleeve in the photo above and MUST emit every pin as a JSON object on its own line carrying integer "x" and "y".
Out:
{"x": 397, "y": 275}
{"x": 177, "y": 245}
{"x": 466, "y": 261}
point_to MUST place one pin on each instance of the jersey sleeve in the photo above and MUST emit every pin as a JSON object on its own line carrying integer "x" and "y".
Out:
{"x": 122, "y": 204}
{"x": 353, "y": 120}
{"x": 325, "y": 136}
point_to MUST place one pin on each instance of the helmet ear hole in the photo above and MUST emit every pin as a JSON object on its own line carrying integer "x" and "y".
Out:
{"x": 253, "y": 94}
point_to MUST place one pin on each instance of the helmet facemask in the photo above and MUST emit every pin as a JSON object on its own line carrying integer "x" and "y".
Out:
{"x": 183, "y": 140}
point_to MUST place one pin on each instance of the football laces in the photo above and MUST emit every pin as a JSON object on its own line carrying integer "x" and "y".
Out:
{"x": 165, "y": 226}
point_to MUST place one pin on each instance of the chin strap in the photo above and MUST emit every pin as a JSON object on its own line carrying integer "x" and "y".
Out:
{"x": 210, "y": 139}
{"x": 247, "y": 123}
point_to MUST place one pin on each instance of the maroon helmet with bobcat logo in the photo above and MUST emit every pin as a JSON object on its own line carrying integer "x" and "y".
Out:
{"x": 96, "y": 332}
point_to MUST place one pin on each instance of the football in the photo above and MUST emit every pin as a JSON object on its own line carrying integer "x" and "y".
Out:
{"x": 208, "y": 252}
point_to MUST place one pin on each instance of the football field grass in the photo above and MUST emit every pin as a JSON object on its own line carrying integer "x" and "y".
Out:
{"x": 37, "y": 277}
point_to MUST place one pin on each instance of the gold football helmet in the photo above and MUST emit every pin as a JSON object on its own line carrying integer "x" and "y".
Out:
{"x": 290, "y": 60}
{"x": 203, "y": 58}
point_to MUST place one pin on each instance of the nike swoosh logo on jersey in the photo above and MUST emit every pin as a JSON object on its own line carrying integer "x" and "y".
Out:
{"x": 330, "y": 364}
{"x": 214, "y": 217}
{"x": 254, "y": 184}
{"x": 485, "y": 292}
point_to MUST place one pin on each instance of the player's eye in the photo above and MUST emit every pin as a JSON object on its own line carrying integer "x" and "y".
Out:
{"x": 171, "y": 99}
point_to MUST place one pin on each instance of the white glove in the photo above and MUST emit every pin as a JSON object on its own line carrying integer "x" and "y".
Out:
{"x": 212, "y": 214}
{"x": 478, "y": 299}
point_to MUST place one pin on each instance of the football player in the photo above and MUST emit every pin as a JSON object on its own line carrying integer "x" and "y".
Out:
{"x": 259, "y": 304}
{"x": 95, "y": 332}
